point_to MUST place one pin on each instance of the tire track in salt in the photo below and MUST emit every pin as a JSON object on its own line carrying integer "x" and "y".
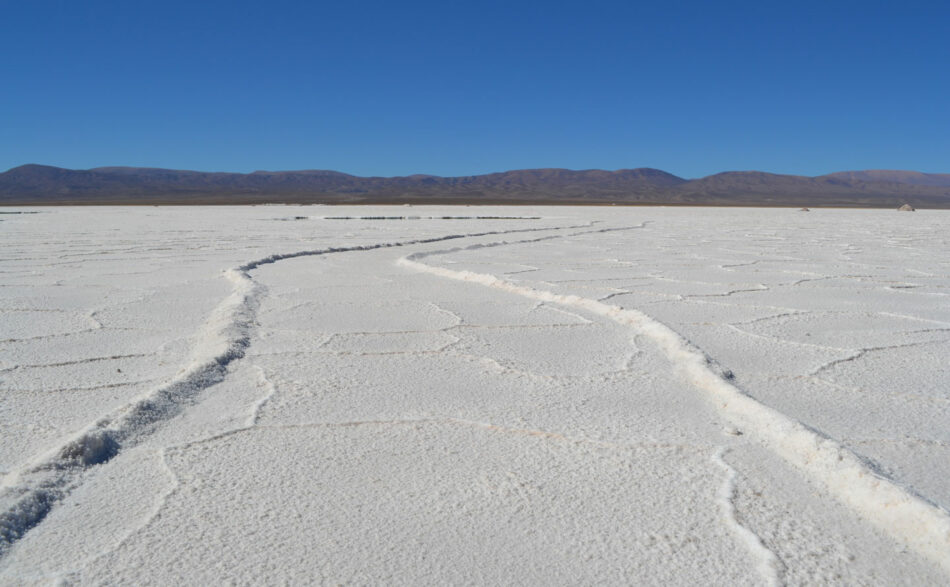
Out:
{"x": 907, "y": 517}
{"x": 28, "y": 494}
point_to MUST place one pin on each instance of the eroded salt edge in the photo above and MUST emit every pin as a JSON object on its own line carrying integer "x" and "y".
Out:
{"x": 920, "y": 525}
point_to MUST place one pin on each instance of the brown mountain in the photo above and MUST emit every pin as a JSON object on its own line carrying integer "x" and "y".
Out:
{"x": 39, "y": 184}
{"x": 896, "y": 177}
{"x": 837, "y": 189}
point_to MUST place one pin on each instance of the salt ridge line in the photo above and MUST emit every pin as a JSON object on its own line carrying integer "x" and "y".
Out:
{"x": 29, "y": 493}
{"x": 910, "y": 519}
{"x": 769, "y": 565}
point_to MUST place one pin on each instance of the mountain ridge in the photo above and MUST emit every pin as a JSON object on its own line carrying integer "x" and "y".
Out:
{"x": 32, "y": 184}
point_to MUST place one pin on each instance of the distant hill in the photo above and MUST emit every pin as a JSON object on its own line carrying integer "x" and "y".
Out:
{"x": 41, "y": 184}
{"x": 891, "y": 176}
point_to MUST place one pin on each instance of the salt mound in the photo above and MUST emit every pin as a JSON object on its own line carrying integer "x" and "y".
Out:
{"x": 906, "y": 208}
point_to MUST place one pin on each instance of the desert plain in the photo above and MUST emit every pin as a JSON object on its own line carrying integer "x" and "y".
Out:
{"x": 474, "y": 395}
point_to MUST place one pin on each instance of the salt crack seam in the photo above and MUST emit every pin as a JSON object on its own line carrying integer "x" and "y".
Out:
{"x": 909, "y": 518}
{"x": 769, "y": 565}
{"x": 30, "y": 493}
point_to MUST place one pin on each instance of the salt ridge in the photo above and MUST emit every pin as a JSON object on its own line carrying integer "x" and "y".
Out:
{"x": 769, "y": 565}
{"x": 28, "y": 494}
{"x": 913, "y": 521}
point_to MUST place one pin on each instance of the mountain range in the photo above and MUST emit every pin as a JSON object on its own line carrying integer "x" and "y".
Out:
{"x": 41, "y": 184}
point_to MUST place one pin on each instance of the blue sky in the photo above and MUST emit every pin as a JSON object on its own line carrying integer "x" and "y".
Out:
{"x": 457, "y": 88}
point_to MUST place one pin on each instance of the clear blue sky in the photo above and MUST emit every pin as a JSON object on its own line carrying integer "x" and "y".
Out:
{"x": 457, "y": 88}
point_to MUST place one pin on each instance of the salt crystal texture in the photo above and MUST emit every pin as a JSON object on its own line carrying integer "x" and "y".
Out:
{"x": 518, "y": 395}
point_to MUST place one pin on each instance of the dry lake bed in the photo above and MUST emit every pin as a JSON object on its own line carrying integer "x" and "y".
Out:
{"x": 474, "y": 395}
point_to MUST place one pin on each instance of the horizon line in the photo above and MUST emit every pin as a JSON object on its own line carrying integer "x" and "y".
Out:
{"x": 417, "y": 174}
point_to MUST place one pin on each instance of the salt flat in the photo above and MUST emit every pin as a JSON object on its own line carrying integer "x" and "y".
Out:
{"x": 474, "y": 395}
